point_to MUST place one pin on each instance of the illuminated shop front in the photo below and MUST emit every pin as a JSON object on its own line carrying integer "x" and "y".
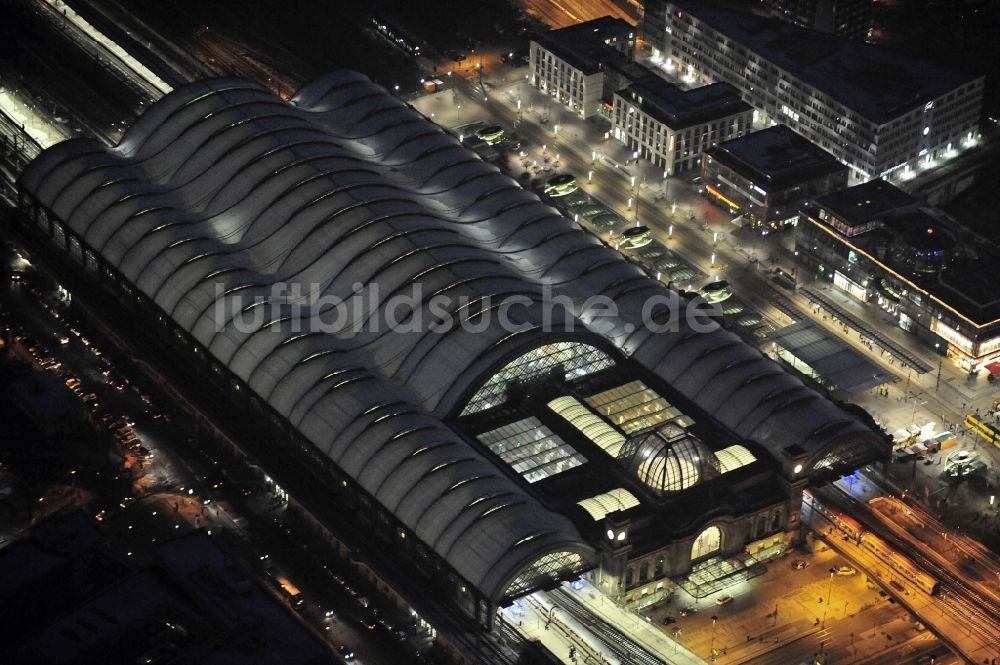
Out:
{"x": 881, "y": 246}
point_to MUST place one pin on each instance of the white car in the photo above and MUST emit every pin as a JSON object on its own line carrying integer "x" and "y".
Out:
{"x": 724, "y": 599}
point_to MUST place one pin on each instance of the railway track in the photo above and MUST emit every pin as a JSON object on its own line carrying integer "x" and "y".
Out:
{"x": 621, "y": 645}
{"x": 957, "y": 597}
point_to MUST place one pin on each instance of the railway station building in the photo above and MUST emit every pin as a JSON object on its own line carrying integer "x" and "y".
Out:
{"x": 489, "y": 451}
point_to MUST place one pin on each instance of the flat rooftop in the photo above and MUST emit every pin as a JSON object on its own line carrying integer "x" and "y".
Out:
{"x": 583, "y": 45}
{"x": 776, "y": 156}
{"x": 872, "y": 81}
{"x": 679, "y": 108}
{"x": 863, "y": 203}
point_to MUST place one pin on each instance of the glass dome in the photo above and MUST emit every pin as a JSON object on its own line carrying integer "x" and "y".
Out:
{"x": 668, "y": 459}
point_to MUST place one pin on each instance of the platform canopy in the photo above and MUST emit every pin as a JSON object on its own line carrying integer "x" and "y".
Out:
{"x": 837, "y": 362}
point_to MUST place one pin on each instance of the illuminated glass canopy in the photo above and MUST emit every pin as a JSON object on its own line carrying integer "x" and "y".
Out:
{"x": 601, "y": 505}
{"x": 572, "y": 359}
{"x": 734, "y": 457}
{"x": 590, "y": 425}
{"x": 668, "y": 459}
{"x": 531, "y": 449}
{"x": 634, "y": 407}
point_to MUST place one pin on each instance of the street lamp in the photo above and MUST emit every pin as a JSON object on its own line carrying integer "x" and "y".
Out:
{"x": 715, "y": 619}
{"x": 829, "y": 594}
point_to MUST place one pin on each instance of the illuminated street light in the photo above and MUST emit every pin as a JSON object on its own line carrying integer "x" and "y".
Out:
{"x": 829, "y": 596}
{"x": 555, "y": 130}
{"x": 630, "y": 203}
{"x": 590, "y": 176}
{"x": 715, "y": 620}
{"x": 670, "y": 231}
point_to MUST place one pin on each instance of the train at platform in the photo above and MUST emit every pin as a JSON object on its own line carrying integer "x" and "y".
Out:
{"x": 897, "y": 562}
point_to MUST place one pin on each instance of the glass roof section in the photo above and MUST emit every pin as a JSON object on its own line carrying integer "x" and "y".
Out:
{"x": 734, "y": 457}
{"x": 668, "y": 459}
{"x": 601, "y": 505}
{"x": 589, "y": 424}
{"x": 635, "y": 407}
{"x": 531, "y": 449}
{"x": 575, "y": 359}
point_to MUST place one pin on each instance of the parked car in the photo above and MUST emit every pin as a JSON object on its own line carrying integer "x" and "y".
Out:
{"x": 846, "y": 570}
{"x": 346, "y": 652}
{"x": 799, "y": 564}
{"x": 667, "y": 620}
{"x": 724, "y": 599}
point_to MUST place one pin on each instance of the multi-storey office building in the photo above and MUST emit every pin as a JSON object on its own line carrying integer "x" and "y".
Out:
{"x": 568, "y": 63}
{"x": 672, "y": 127}
{"x": 881, "y": 246}
{"x": 373, "y": 298}
{"x": 767, "y": 175}
{"x": 882, "y": 113}
{"x": 845, "y": 18}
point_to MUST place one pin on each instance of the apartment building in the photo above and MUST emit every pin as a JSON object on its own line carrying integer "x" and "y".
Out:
{"x": 881, "y": 113}
{"x": 672, "y": 127}
{"x": 569, "y": 63}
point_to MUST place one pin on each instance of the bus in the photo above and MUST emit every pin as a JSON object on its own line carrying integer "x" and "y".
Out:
{"x": 291, "y": 592}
